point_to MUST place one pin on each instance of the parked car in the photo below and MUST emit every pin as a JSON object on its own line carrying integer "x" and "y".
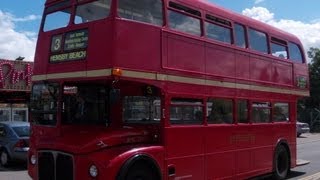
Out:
{"x": 14, "y": 142}
{"x": 302, "y": 128}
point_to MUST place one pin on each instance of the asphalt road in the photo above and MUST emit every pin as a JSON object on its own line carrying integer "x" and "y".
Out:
{"x": 308, "y": 149}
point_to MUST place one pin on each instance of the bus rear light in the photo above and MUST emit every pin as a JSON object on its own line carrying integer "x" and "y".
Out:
{"x": 117, "y": 72}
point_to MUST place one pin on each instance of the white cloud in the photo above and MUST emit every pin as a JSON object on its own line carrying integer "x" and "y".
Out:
{"x": 13, "y": 43}
{"x": 258, "y": 1}
{"x": 27, "y": 18}
{"x": 308, "y": 33}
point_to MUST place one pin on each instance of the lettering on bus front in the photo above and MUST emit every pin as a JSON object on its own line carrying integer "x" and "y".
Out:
{"x": 68, "y": 56}
{"x": 75, "y": 41}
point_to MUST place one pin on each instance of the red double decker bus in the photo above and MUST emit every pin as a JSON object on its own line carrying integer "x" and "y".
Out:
{"x": 162, "y": 89}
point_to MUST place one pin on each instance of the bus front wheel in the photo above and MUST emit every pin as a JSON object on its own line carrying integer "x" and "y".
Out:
{"x": 140, "y": 170}
{"x": 281, "y": 163}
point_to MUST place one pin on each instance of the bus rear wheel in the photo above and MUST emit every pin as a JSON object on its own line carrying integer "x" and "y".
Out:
{"x": 141, "y": 170}
{"x": 281, "y": 163}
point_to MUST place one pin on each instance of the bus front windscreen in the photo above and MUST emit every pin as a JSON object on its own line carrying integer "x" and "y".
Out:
{"x": 43, "y": 105}
{"x": 85, "y": 104}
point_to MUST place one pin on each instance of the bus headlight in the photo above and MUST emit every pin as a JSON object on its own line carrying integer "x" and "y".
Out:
{"x": 33, "y": 159}
{"x": 93, "y": 171}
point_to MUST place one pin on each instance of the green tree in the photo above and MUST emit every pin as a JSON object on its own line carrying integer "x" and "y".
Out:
{"x": 314, "y": 74}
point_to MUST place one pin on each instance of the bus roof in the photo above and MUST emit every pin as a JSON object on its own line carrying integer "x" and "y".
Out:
{"x": 222, "y": 12}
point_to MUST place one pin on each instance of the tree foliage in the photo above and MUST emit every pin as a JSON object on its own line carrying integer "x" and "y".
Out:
{"x": 314, "y": 74}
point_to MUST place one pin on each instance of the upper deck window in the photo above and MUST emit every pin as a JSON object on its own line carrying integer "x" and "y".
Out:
{"x": 184, "y": 23}
{"x": 258, "y": 41}
{"x": 148, "y": 11}
{"x": 180, "y": 21}
{"x": 295, "y": 53}
{"x": 279, "y": 48}
{"x": 58, "y": 19}
{"x": 219, "y": 30}
{"x": 92, "y": 11}
{"x": 240, "y": 39}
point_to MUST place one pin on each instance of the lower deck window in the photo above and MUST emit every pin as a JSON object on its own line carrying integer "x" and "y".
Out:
{"x": 141, "y": 109}
{"x": 280, "y": 112}
{"x": 186, "y": 111}
{"x": 220, "y": 111}
{"x": 260, "y": 112}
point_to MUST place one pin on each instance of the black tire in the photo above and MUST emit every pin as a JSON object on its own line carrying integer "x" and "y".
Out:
{"x": 298, "y": 135}
{"x": 141, "y": 170}
{"x": 4, "y": 158}
{"x": 281, "y": 163}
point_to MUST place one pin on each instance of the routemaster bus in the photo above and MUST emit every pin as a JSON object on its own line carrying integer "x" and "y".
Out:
{"x": 162, "y": 89}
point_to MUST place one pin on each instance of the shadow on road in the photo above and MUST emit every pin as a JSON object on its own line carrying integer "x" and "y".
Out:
{"x": 293, "y": 174}
{"x": 301, "y": 136}
{"x": 14, "y": 167}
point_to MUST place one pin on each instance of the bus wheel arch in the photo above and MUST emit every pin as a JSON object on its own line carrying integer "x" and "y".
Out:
{"x": 139, "y": 166}
{"x": 281, "y": 161}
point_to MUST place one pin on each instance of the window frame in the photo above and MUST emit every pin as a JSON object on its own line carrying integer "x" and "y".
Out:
{"x": 248, "y": 114}
{"x": 233, "y": 115}
{"x": 269, "y": 120}
{"x": 279, "y": 42}
{"x": 82, "y": 3}
{"x": 142, "y": 122}
{"x": 250, "y": 45}
{"x": 302, "y": 61}
{"x": 163, "y": 11}
{"x": 194, "y": 122}
{"x": 185, "y": 10}
{"x": 273, "y": 112}
{"x": 221, "y": 23}
{"x": 245, "y": 35}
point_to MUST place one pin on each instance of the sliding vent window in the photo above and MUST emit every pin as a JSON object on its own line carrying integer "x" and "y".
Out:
{"x": 184, "y": 23}
{"x": 92, "y": 11}
{"x": 258, "y": 41}
{"x": 147, "y": 11}
{"x": 186, "y": 111}
{"x": 219, "y": 29}
{"x": 279, "y": 48}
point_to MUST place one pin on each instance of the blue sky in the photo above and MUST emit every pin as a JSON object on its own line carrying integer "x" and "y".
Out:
{"x": 20, "y": 19}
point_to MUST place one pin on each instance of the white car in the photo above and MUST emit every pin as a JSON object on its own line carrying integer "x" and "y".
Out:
{"x": 302, "y": 128}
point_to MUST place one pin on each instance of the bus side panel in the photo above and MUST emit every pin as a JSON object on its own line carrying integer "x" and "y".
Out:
{"x": 185, "y": 151}
{"x": 242, "y": 66}
{"x": 184, "y": 54}
{"x": 260, "y": 69}
{"x": 137, "y": 46}
{"x": 220, "y": 151}
{"x": 220, "y": 61}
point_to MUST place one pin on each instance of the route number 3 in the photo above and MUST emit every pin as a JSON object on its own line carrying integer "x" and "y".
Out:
{"x": 56, "y": 43}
